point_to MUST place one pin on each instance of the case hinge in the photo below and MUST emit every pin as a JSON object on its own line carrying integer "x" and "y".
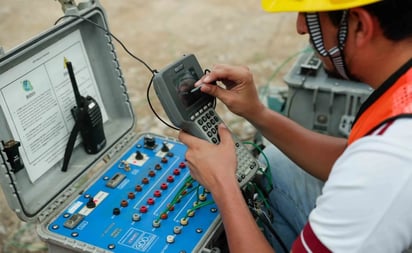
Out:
{"x": 69, "y": 6}
{"x": 56, "y": 204}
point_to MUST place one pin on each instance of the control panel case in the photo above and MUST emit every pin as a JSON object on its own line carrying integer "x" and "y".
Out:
{"x": 135, "y": 195}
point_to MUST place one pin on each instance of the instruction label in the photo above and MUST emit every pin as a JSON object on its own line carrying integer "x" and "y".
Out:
{"x": 36, "y": 97}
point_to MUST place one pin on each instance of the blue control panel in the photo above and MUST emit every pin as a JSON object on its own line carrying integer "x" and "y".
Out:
{"x": 145, "y": 202}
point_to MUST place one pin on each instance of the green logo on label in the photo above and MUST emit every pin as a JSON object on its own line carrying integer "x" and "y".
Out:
{"x": 27, "y": 86}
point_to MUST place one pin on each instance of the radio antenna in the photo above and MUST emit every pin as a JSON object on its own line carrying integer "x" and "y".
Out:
{"x": 77, "y": 95}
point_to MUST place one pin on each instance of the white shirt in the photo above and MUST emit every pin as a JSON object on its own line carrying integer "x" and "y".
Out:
{"x": 366, "y": 203}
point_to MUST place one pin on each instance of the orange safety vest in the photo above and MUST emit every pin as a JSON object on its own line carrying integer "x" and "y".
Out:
{"x": 386, "y": 104}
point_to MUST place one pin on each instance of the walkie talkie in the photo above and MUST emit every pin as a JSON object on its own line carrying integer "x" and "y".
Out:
{"x": 88, "y": 121}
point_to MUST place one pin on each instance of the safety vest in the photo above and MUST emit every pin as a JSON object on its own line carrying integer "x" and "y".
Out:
{"x": 386, "y": 104}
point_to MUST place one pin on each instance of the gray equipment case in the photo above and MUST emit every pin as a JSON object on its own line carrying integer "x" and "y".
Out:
{"x": 31, "y": 200}
{"x": 37, "y": 196}
{"x": 319, "y": 102}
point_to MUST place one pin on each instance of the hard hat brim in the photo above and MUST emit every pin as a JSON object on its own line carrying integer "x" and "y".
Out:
{"x": 311, "y": 5}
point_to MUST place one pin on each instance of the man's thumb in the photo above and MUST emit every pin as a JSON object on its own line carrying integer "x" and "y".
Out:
{"x": 224, "y": 134}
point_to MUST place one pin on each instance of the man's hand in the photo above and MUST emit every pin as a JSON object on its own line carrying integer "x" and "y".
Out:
{"x": 211, "y": 164}
{"x": 238, "y": 93}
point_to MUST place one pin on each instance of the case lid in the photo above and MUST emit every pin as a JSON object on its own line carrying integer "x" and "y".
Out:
{"x": 36, "y": 98}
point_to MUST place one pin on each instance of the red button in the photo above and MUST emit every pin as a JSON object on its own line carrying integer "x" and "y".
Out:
{"x": 163, "y": 186}
{"x": 157, "y": 193}
{"x": 143, "y": 209}
{"x": 150, "y": 201}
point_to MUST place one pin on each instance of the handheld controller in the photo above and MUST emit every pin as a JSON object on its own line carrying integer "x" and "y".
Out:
{"x": 193, "y": 111}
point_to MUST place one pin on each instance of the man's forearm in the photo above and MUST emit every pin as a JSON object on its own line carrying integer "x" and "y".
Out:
{"x": 314, "y": 152}
{"x": 242, "y": 232}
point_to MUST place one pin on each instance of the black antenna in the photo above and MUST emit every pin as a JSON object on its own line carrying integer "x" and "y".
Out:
{"x": 77, "y": 95}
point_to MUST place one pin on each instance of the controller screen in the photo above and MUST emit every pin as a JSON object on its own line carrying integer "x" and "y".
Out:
{"x": 184, "y": 84}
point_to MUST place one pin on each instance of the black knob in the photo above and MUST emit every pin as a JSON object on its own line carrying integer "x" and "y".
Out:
{"x": 138, "y": 155}
{"x": 91, "y": 203}
{"x": 165, "y": 148}
{"x": 116, "y": 211}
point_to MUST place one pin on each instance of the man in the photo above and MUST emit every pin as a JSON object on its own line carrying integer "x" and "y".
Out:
{"x": 365, "y": 204}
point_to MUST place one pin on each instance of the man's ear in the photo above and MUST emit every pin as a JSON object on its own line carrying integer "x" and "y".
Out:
{"x": 363, "y": 25}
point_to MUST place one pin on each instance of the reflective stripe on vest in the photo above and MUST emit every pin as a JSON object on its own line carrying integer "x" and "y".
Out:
{"x": 394, "y": 103}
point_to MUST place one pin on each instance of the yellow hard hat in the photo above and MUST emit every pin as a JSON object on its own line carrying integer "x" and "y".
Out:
{"x": 312, "y": 5}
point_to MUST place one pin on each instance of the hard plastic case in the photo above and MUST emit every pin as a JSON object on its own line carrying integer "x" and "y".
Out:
{"x": 50, "y": 195}
{"x": 320, "y": 102}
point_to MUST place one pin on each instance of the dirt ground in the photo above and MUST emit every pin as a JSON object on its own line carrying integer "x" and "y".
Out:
{"x": 230, "y": 31}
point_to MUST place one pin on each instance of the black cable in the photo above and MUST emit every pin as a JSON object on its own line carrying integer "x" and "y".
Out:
{"x": 152, "y": 71}
{"x": 152, "y": 108}
{"x": 111, "y": 35}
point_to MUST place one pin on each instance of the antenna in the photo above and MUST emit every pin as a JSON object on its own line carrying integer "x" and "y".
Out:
{"x": 77, "y": 95}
